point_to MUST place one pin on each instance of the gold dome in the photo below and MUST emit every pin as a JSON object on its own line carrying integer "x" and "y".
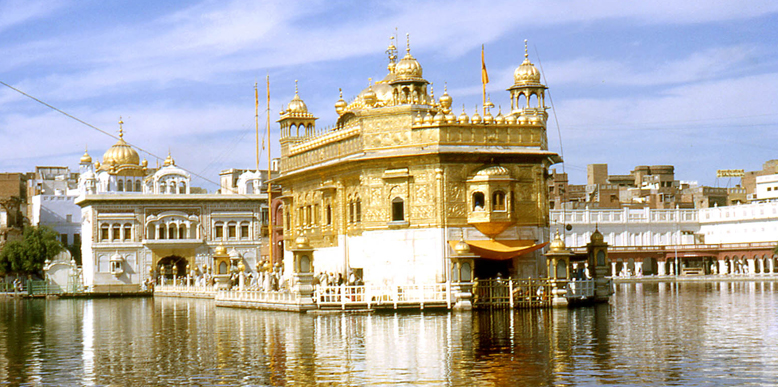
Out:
{"x": 296, "y": 105}
{"x": 121, "y": 153}
{"x": 220, "y": 250}
{"x": 597, "y": 237}
{"x": 464, "y": 118}
{"x": 493, "y": 170}
{"x": 340, "y": 105}
{"x": 86, "y": 158}
{"x": 369, "y": 97}
{"x": 526, "y": 73}
{"x": 445, "y": 99}
{"x": 408, "y": 67}
{"x": 462, "y": 248}
{"x": 168, "y": 161}
{"x": 301, "y": 242}
{"x": 557, "y": 245}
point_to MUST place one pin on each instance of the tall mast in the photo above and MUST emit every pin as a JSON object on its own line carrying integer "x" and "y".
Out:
{"x": 270, "y": 230}
{"x": 256, "y": 121}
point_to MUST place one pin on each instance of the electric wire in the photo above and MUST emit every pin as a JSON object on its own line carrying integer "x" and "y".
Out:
{"x": 113, "y": 136}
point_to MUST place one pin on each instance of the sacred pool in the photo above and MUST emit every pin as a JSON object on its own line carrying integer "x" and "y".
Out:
{"x": 649, "y": 334}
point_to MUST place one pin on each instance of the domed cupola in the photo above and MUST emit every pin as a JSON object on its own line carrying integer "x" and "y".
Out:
{"x": 340, "y": 105}
{"x": 296, "y": 105}
{"x": 86, "y": 158}
{"x": 408, "y": 68}
{"x": 527, "y": 93}
{"x": 121, "y": 153}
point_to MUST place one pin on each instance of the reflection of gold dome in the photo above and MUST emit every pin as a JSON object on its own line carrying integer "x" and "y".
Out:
{"x": 121, "y": 153}
{"x": 526, "y": 73}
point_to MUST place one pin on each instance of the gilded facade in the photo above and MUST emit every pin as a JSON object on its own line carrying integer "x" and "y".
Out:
{"x": 400, "y": 177}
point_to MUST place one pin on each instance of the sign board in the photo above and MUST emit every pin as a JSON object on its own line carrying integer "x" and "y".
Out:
{"x": 730, "y": 173}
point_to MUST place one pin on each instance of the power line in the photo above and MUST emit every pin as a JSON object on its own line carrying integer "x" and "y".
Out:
{"x": 110, "y": 134}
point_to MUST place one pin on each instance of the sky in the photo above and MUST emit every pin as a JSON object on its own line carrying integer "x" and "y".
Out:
{"x": 686, "y": 83}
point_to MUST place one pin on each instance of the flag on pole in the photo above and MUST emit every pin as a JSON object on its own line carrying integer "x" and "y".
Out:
{"x": 484, "y": 74}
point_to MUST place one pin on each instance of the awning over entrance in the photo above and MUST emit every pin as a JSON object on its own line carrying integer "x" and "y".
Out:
{"x": 501, "y": 250}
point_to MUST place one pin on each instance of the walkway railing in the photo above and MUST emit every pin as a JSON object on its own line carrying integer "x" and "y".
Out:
{"x": 513, "y": 293}
{"x": 395, "y": 296}
{"x": 257, "y": 296}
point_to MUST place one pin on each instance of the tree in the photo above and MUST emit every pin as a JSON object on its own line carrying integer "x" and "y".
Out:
{"x": 28, "y": 255}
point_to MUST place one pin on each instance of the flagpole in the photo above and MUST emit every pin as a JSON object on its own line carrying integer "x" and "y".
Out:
{"x": 256, "y": 122}
{"x": 484, "y": 79}
{"x": 270, "y": 230}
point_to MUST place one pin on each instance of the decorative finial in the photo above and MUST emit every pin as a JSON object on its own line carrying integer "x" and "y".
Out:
{"x": 369, "y": 82}
{"x": 526, "y": 51}
{"x": 121, "y": 130}
{"x": 445, "y": 87}
{"x": 341, "y": 92}
{"x": 432, "y": 92}
{"x": 463, "y": 109}
{"x": 295, "y": 87}
{"x": 408, "y": 43}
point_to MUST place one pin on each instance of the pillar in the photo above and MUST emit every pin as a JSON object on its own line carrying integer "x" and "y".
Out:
{"x": 761, "y": 266}
{"x": 751, "y": 265}
{"x": 613, "y": 269}
{"x": 722, "y": 266}
{"x": 772, "y": 265}
{"x": 661, "y": 268}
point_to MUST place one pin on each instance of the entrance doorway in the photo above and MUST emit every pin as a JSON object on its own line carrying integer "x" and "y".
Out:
{"x": 165, "y": 267}
{"x": 490, "y": 268}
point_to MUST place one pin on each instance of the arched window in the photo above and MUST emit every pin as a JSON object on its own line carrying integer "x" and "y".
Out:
{"x": 104, "y": 233}
{"x": 172, "y": 231}
{"x": 358, "y": 211}
{"x": 162, "y": 231}
{"x": 127, "y": 232}
{"x": 498, "y": 201}
{"x": 182, "y": 231}
{"x": 249, "y": 187}
{"x": 137, "y": 186}
{"x": 120, "y": 185}
{"x": 162, "y": 187}
{"x": 115, "y": 230}
{"x": 151, "y": 231}
{"x": 329, "y": 215}
{"x": 231, "y": 230}
{"x": 182, "y": 187}
{"x": 218, "y": 230}
{"x": 244, "y": 230}
{"x": 351, "y": 212}
{"x": 398, "y": 209}
{"x": 478, "y": 201}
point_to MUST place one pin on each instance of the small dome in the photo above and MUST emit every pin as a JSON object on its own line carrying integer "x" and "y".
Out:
{"x": 488, "y": 118}
{"x": 493, "y": 170}
{"x": 121, "y": 154}
{"x": 340, "y": 105}
{"x": 296, "y": 105}
{"x": 439, "y": 118}
{"x": 116, "y": 257}
{"x": 557, "y": 245}
{"x": 369, "y": 97}
{"x": 408, "y": 67}
{"x": 464, "y": 118}
{"x": 301, "y": 242}
{"x": 597, "y": 237}
{"x": 446, "y": 100}
{"x": 86, "y": 158}
{"x": 462, "y": 248}
{"x": 220, "y": 250}
{"x": 168, "y": 161}
{"x": 500, "y": 119}
{"x": 526, "y": 73}
{"x": 476, "y": 118}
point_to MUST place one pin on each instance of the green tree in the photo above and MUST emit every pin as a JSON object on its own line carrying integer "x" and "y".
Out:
{"x": 28, "y": 255}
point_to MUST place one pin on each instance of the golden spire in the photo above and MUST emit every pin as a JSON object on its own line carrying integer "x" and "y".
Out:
{"x": 121, "y": 130}
{"x": 295, "y": 87}
{"x": 526, "y": 51}
{"x": 408, "y": 43}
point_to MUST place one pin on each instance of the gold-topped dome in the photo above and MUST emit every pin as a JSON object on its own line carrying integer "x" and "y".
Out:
{"x": 557, "y": 245}
{"x": 121, "y": 153}
{"x": 296, "y": 105}
{"x": 86, "y": 158}
{"x": 408, "y": 67}
{"x": 493, "y": 170}
{"x": 526, "y": 73}
{"x": 597, "y": 237}
{"x": 340, "y": 105}
{"x": 463, "y": 118}
{"x": 169, "y": 160}
{"x": 301, "y": 242}
{"x": 445, "y": 99}
{"x": 369, "y": 97}
{"x": 462, "y": 248}
{"x": 220, "y": 250}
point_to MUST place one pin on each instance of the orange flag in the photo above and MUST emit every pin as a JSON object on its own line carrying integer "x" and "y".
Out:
{"x": 484, "y": 74}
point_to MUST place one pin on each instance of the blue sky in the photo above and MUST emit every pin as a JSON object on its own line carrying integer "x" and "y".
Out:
{"x": 687, "y": 83}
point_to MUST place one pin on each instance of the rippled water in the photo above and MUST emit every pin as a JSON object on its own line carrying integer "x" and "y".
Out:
{"x": 650, "y": 334}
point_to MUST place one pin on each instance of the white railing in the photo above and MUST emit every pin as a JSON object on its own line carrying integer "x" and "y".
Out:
{"x": 184, "y": 289}
{"x": 257, "y": 296}
{"x": 368, "y": 295}
{"x": 580, "y": 289}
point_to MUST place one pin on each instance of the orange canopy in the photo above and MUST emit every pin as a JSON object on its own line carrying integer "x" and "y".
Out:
{"x": 501, "y": 250}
